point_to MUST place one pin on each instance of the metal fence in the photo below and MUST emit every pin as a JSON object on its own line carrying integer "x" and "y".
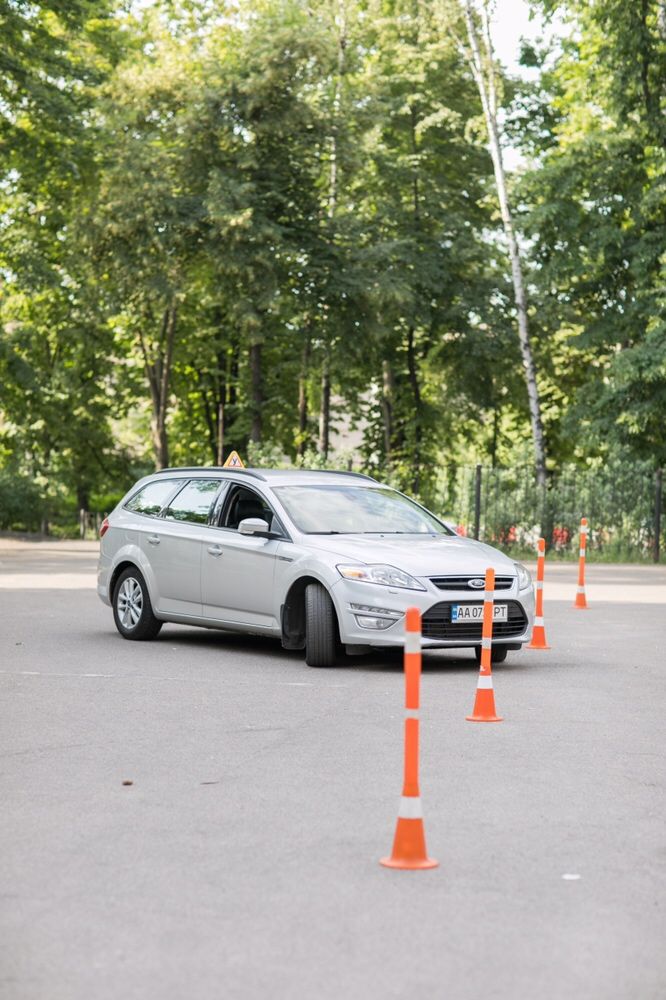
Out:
{"x": 505, "y": 507}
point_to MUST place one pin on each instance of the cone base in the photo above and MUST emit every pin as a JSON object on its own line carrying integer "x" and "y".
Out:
{"x": 539, "y": 645}
{"x": 411, "y": 864}
{"x": 580, "y": 607}
{"x": 484, "y": 707}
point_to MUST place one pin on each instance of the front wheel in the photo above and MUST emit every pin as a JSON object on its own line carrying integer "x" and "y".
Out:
{"x": 132, "y": 610}
{"x": 320, "y": 627}
{"x": 498, "y": 654}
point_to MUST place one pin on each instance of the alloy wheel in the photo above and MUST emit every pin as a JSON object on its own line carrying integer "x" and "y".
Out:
{"x": 130, "y": 602}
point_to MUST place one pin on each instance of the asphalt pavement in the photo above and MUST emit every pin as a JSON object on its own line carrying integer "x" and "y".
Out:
{"x": 202, "y": 816}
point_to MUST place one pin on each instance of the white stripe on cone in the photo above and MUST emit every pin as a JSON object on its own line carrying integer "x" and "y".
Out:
{"x": 538, "y": 620}
{"x": 410, "y": 807}
{"x": 485, "y": 682}
{"x": 412, "y": 642}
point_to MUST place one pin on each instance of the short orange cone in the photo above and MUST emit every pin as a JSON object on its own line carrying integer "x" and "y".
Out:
{"x": 581, "y": 601}
{"x": 409, "y": 848}
{"x": 539, "y": 632}
{"x": 484, "y": 705}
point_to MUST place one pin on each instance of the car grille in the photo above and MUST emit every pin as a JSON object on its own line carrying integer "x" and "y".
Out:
{"x": 462, "y": 582}
{"x": 436, "y": 624}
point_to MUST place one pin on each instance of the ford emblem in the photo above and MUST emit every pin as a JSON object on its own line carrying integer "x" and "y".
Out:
{"x": 477, "y": 583}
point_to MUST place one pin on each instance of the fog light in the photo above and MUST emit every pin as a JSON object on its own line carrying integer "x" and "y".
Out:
{"x": 376, "y": 611}
{"x": 365, "y": 621}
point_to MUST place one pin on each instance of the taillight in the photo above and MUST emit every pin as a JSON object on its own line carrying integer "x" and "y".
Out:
{"x": 105, "y": 527}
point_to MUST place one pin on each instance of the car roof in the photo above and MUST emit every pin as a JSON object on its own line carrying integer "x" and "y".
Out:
{"x": 274, "y": 477}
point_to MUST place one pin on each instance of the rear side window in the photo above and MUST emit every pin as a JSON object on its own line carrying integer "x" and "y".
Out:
{"x": 152, "y": 497}
{"x": 193, "y": 502}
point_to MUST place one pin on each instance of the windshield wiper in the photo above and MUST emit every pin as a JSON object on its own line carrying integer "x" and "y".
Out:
{"x": 326, "y": 532}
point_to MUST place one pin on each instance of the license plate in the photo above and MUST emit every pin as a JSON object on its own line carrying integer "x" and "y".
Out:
{"x": 474, "y": 613}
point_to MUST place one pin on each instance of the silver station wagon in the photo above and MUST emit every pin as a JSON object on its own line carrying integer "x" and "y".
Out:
{"x": 325, "y": 561}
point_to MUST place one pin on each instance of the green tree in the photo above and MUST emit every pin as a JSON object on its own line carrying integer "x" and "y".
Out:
{"x": 597, "y": 197}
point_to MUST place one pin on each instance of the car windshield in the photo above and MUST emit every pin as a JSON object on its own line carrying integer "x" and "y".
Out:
{"x": 344, "y": 510}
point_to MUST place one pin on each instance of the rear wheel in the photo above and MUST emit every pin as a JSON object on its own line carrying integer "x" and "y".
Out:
{"x": 498, "y": 654}
{"x": 321, "y": 631}
{"x": 132, "y": 610}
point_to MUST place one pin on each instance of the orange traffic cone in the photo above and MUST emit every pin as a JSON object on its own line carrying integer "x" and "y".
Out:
{"x": 581, "y": 601}
{"x": 538, "y": 640}
{"x": 409, "y": 848}
{"x": 484, "y": 705}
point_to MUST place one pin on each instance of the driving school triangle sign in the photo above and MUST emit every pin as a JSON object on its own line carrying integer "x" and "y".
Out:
{"x": 233, "y": 461}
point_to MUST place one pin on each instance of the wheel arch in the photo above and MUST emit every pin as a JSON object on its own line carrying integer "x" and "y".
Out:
{"x": 292, "y": 612}
{"x": 117, "y": 570}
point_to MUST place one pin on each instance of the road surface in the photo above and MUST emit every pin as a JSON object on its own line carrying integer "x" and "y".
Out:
{"x": 242, "y": 860}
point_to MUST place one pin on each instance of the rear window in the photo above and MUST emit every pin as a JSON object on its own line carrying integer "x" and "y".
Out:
{"x": 152, "y": 497}
{"x": 193, "y": 502}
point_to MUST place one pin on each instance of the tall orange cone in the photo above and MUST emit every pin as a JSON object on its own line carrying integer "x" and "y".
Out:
{"x": 581, "y": 601}
{"x": 539, "y": 632}
{"x": 484, "y": 706}
{"x": 409, "y": 849}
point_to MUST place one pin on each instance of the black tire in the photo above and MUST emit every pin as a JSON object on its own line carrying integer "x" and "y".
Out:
{"x": 131, "y": 601}
{"x": 498, "y": 654}
{"x": 321, "y": 627}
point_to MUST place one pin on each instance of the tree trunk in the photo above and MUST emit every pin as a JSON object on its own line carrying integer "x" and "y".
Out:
{"x": 416, "y": 393}
{"x": 495, "y": 437}
{"x": 412, "y": 364}
{"x": 333, "y": 182}
{"x": 220, "y": 433}
{"x": 485, "y": 81}
{"x": 208, "y": 415}
{"x": 303, "y": 400}
{"x": 82, "y": 496}
{"x": 158, "y": 363}
{"x": 325, "y": 410}
{"x": 341, "y": 21}
{"x": 221, "y": 400}
{"x": 256, "y": 394}
{"x": 388, "y": 391}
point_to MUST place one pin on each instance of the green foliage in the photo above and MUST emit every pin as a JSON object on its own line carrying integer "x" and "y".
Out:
{"x": 21, "y": 503}
{"x": 238, "y": 226}
{"x": 597, "y": 213}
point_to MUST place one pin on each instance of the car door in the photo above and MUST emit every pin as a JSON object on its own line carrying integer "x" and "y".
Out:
{"x": 172, "y": 545}
{"x": 237, "y": 571}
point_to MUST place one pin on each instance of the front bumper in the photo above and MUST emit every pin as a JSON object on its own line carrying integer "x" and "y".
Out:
{"x": 350, "y": 595}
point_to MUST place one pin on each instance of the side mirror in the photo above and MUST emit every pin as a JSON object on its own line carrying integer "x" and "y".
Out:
{"x": 254, "y": 526}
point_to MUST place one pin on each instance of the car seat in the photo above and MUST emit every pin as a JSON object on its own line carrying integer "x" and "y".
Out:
{"x": 247, "y": 507}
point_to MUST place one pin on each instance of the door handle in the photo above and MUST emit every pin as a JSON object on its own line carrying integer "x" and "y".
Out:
{"x": 215, "y": 550}
{"x": 154, "y": 539}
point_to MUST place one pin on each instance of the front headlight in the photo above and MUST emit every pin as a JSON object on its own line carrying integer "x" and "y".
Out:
{"x": 524, "y": 578}
{"x": 385, "y": 576}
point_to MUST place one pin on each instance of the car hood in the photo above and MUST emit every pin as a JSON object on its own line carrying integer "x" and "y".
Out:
{"x": 418, "y": 555}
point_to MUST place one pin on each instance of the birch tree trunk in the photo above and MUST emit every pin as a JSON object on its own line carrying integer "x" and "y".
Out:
{"x": 661, "y": 19}
{"x": 325, "y": 405}
{"x": 483, "y": 69}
